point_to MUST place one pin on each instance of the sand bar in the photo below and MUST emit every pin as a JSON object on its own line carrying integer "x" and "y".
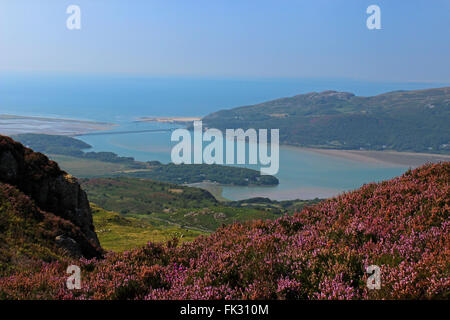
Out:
{"x": 11, "y": 124}
{"x": 168, "y": 119}
{"x": 391, "y": 158}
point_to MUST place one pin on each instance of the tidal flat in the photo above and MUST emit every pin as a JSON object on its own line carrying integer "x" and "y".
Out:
{"x": 12, "y": 124}
{"x": 390, "y": 158}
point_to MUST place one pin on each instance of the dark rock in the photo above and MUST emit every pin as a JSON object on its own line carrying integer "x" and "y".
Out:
{"x": 52, "y": 189}
{"x": 70, "y": 245}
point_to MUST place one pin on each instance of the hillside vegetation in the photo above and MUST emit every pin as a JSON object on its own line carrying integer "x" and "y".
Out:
{"x": 401, "y": 225}
{"x": 128, "y": 195}
{"x": 119, "y": 233}
{"x": 186, "y": 207}
{"x": 401, "y": 120}
{"x": 27, "y": 234}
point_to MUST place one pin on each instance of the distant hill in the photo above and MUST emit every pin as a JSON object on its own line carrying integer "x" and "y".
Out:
{"x": 415, "y": 121}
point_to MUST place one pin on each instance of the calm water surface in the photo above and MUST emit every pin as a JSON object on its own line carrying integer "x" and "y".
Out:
{"x": 303, "y": 174}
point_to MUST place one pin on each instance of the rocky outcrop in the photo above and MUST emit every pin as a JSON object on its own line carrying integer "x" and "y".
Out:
{"x": 52, "y": 189}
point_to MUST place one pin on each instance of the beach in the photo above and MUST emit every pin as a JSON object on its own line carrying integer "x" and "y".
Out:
{"x": 390, "y": 158}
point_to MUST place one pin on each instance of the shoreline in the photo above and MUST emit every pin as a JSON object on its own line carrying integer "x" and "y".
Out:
{"x": 43, "y": 118}
{"x": 389, "y": 158}
{"x": 15, "y": 124}
{"x": 178, "y": 120}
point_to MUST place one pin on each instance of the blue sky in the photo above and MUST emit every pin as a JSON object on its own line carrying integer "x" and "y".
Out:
{"x": 230, "y": 38}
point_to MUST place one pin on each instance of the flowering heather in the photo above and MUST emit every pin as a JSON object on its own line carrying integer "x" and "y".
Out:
{"x": 401, "y": 225}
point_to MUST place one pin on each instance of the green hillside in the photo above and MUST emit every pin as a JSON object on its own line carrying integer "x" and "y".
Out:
{"x": 119, "y": 233}
{"x": 128, "y": 195}
{"x": 402, "y": 120}
{"x": 184, "y": 207}
{"x": 26, "y": 233}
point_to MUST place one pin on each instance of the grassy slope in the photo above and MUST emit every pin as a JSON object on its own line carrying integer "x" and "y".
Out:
{"x": 118, "y": 233}
{"x": 131, "y": 195}
{"x": 20, "y": 235}
{"x": 87, "y": 168}
{"x": 181, "y": 206}
{"x": 27, "y": 234}
{"x": 153, "y": 201}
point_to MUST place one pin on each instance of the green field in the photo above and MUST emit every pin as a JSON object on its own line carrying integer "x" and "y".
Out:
{"x": 118, "y": 233}
{"x": 86, "y": 168}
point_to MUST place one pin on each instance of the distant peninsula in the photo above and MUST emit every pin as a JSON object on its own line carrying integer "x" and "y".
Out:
{"x": 405, "y": 121}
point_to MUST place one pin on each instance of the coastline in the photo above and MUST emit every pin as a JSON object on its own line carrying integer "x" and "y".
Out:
{"x": 388, "y": 158}
{"x": 14, "y": 124}
{"x": 214, "y": 188}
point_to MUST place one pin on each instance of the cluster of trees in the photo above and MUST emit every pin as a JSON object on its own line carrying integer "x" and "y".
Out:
{"x": 68, "y": 146}
{"x": 128, "y": 195}
{"x": 193, "y": 173}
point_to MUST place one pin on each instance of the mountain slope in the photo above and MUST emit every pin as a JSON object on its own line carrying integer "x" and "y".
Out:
{"x": 401, "y": 225}
{"x": 401, "y": 120}
{"x": 155, "y": 201}
{"x": 119, "y": 233}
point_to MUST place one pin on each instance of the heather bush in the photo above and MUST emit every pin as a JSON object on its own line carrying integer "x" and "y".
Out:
{"x": 322, "y": 252}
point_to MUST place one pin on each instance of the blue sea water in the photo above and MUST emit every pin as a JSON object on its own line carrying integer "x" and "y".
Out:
{"x": 122, "y": 99}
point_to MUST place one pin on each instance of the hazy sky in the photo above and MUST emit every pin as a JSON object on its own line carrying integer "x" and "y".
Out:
{"x": 231, "y": 38}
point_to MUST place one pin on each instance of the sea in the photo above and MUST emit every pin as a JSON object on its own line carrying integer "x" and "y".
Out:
{"x": 122, "y": 99}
